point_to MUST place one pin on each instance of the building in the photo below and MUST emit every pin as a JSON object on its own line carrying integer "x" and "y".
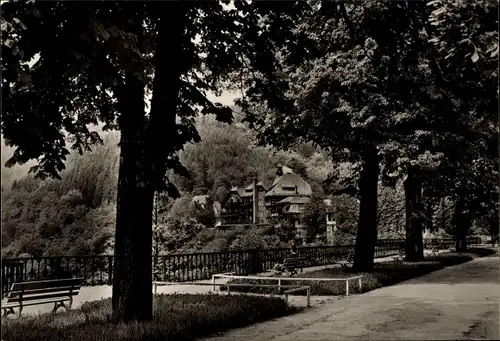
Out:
{"x": 292, "y": 209}
{"x": 257, "y": 204}
{"x": 284, "y": 200}
{"x": 331, "y": 224}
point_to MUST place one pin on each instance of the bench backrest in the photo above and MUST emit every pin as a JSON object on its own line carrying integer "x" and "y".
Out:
{"x": 293, "y": 261}
{"x": 28, "y": 291}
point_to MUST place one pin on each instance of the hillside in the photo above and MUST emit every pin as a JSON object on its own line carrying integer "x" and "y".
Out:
{"x": 76, "y": 215}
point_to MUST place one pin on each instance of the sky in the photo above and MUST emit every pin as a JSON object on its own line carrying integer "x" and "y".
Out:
{"x": 226, "y": 97}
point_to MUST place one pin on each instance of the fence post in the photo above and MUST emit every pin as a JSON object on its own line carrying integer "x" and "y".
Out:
{"x": 213, "y": 282}
{"x": 308, "y": 297}
{"x": 359, "y": 284}
{"x": 347, "y": 287}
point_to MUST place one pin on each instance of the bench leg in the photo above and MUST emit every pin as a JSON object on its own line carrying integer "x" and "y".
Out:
{"x": 61, "y": 304}
{"x": 7, "y": 311}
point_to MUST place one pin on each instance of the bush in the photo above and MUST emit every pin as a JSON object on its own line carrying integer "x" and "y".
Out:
{"x": 178, "y": 317}
{"x": 383, "y": 274}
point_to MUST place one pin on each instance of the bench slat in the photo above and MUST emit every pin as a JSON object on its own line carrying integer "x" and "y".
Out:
{"x": 27, "y": 298}
{"x": 46, "y": 284}
{"x": 44, "y": 291}
{"x": 30, "y": 303}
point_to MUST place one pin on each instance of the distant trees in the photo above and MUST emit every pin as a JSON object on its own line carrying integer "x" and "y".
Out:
{"x": 42, "y": 223}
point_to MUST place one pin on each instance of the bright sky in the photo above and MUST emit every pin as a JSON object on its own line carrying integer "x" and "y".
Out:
{"x": 226, "y": 97}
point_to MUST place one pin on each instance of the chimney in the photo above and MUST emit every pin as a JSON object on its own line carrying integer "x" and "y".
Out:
{"x": 279, "y": 169}
{"x": 255, "y": 201}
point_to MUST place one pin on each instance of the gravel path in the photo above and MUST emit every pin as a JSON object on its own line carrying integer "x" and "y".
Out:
{"x": 456, "y": 303}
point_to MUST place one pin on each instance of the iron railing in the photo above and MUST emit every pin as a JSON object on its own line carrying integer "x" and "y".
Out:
{"x": 98, "y": 270}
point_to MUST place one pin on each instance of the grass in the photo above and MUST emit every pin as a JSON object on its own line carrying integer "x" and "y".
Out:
{"x": 383, "y": 274}
{"x": 177, "y": 317}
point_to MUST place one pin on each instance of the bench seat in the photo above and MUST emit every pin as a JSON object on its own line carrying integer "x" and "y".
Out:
{"x": 293, "y": 263}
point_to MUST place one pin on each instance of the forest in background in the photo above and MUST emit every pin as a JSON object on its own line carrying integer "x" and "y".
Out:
{"x": 76, "y": 215}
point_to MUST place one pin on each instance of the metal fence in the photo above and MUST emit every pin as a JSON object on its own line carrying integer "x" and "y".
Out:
{"x": 98, "y": 270}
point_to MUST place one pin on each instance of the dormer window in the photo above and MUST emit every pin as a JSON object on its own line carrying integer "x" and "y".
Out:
{"x": 288, "y": 188}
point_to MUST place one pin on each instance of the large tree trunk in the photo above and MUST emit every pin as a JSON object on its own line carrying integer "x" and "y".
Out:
{"x": 462, "y": 221}
{"x": 145, "y": 150}
{"x": 132, "y": 282}
{"x": 413, "y": 199}
{"x": 429, "y": 213}
{"x": 366, "y": 238}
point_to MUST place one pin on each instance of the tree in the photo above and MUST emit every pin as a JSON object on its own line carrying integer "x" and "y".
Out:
{"x": 465, "y": 36}
{"x": 98, "y": 66}
{"x": 354, "y": 79}
{"x": 314, "y": 215}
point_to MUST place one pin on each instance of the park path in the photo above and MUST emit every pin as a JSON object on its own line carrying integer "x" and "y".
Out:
{"x": 456, "y": 303}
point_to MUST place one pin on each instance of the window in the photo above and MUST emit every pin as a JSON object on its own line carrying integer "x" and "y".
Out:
{"x": 288, "y": 188}
{"x": 329, "y": 217}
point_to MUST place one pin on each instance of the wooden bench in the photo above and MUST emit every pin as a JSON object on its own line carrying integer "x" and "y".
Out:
{"x": 293, "y": 263}
{"x": 349, "y": 260}
{"x": 56, "y": 291}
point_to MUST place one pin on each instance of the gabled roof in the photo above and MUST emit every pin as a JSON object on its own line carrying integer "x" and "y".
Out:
{"x": 238, "y": 190}
{"x": 295, "y": 200}
{"x": 249, "y": 188}
{"x": 301, "y": 187}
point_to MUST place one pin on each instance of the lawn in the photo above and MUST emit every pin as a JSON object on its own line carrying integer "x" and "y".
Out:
{"x": 384, "y": 274}
{"x": 177, "y": 317}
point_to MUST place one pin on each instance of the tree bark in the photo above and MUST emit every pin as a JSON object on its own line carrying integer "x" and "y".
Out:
{"x": 429, "y": 213}
{"x": 462, "y": 221}
{"x": 366, "y": 239}
{"x": 132, "y": 282}
{"x": 145, "y": 149}
{"x": 414, "y": 247}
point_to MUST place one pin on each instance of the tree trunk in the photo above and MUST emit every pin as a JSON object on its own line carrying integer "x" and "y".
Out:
{"x": 366, "y": 239}
{"x": 143, "y": 164}
{"x": 132, "y": 281}
{"x": 462, "y": 221}
{"x": 462, "y": 230}
{"x": 429, "y": 213}
{"x": 414, "y": 249}
{"x": 132, "y": 297}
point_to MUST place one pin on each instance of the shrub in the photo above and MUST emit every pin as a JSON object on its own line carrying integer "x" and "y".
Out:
{"x": 178, "y": 317}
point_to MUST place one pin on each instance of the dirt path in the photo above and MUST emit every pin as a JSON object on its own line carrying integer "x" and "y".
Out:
{"x": 456, "y": 303}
